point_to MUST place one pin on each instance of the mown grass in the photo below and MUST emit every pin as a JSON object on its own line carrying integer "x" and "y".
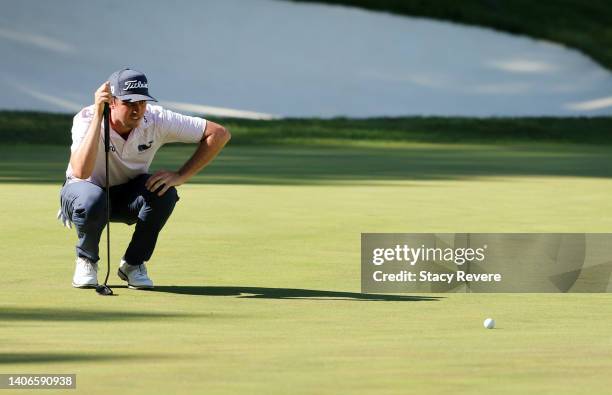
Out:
{"x": 49, "y": 128}
{"x": 358, "y": 164}
{"x": 584, "y": 25}
{"x": 258, "y": 276}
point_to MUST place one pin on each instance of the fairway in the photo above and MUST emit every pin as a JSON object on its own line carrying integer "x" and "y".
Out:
{"x": 257, "y": 275}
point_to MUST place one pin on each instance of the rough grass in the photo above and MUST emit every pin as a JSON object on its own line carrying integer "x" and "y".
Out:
{"x": 49, "y": 128}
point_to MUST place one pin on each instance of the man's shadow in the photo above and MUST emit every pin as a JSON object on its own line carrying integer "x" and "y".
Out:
{"x": 283, "y": 293}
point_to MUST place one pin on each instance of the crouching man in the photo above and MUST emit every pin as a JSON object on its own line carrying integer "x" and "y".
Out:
{"x": 137, "y": 131}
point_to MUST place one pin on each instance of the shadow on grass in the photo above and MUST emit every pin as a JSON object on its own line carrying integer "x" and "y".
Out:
{"x": 349, "y": 165}
{"x": 51, "y": 314}
{"x": 25, "y": 358}
{"x": 286, "y": 293}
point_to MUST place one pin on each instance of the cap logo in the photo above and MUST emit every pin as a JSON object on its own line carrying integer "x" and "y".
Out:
{"x": 135, "y": 84}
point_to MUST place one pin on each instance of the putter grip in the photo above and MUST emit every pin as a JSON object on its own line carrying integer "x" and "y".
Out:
{"x": 106, "y": 127}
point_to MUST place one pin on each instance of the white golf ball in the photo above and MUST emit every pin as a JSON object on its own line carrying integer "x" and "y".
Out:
{"x": 489, "y": 323}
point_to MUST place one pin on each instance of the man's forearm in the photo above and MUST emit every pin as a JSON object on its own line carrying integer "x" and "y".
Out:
{"x": 83, "y": 160}
{"x": 207, "y": 150}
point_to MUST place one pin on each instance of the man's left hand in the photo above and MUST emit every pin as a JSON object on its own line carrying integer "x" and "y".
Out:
{"x": 63, "y": 219}
{"x": 165, "y": 179}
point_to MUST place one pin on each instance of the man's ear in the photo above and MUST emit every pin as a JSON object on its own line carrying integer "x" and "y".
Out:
{"x": 112, "y": 102}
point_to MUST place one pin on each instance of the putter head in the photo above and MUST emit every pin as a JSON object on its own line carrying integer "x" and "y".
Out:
{"x": 104, "y": 290}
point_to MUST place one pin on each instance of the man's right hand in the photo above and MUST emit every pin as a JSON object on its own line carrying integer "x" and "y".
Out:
{"x": 83, "y": 160}
{"x": 103, "y": 95}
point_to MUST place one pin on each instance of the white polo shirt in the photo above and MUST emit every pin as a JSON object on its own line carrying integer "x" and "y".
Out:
{"x": 131, "y": 157}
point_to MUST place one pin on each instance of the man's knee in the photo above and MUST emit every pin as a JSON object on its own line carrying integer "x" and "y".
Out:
{"x": 168, "y": 199}
{"x": 163, "y": 205}
{"x": 91, "y": 208}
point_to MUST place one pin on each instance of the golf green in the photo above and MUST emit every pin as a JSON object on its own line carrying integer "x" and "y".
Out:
{"x": 257, "y": 276}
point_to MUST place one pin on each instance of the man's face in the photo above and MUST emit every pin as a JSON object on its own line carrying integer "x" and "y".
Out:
{"x": 127, "y": 115}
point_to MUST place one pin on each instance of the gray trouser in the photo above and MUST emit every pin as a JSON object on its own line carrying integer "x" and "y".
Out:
{"x": 130, "y": 203}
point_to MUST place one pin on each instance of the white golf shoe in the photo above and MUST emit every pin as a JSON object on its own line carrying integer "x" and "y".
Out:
{"x": 85, "y": 273}
{"x": 135, "y": 275}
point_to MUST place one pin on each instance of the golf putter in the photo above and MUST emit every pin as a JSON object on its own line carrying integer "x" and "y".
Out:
{"x": 104, "y": 289}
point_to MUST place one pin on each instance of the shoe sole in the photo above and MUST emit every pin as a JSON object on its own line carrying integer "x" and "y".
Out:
{"x": 84, "y": 286}
{"x": 130, "y": 286}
